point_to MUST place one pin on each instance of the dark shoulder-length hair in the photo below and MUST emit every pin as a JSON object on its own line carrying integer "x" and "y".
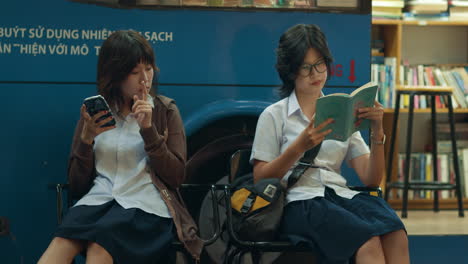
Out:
{"x": 292, "y": 48}
{"x": 119, "y": 55}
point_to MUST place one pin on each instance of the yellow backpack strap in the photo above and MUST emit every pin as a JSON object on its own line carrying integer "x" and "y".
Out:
{"x": 239, "y": 198}
{"x": 259, "y": 203}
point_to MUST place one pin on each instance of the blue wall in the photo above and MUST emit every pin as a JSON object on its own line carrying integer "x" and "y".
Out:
{"x": 205, "y": 57}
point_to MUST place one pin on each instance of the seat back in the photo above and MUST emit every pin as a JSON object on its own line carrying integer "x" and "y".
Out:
{"x": 239, "y": 164}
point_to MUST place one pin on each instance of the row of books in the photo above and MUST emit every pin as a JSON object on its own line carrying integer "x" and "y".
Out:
{"x": 458, "y": 10}
{"x": 428, "y": 75}
{"x": 387, "y": 9}
{"x": 422, "y": 166}
{"x": 443, "y": 133}
{"x": 442, "y": 10}
{"x": 224, "y": 3}
{"x": 383, "y": 72}
{"x": 252, "y": 3}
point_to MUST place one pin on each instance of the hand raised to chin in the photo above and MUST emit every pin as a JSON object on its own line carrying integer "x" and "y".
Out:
{"x": 142, "y": 109}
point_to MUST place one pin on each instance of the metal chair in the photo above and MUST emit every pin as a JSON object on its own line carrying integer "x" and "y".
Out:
{"x": 176, "y": 244}
{"x": 240, "y": 165}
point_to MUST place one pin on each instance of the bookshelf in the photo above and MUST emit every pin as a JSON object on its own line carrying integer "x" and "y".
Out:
{"x": 396, "y": 34}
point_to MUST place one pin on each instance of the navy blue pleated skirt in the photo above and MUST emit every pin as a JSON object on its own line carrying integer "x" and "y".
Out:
{"x": 129, "y": 235}
{"x": 336, "y": 227}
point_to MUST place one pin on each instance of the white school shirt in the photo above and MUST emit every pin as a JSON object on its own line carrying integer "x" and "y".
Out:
{"x": 123, "y": 172}
{"x": 279, "y": 125}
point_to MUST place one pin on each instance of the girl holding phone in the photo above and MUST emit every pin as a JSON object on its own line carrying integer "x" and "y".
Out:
{"x": 126, "y": 175}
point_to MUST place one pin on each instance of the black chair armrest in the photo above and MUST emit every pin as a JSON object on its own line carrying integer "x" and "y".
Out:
{"x": 59, "y": 187}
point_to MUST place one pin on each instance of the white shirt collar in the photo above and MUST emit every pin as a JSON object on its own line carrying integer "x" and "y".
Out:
{"x": 293, "y": 104}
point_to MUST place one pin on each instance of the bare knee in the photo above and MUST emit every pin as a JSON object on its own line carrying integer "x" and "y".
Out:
{"x": 371, "y": 251}
{"x": 397, "y": 239}
{"x": 61, "y": 250}
{"x": 97, "y": 254}
{"x": 66, "y": 243}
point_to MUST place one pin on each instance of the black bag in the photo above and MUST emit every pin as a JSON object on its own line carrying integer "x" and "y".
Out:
{"x": 258, "y": 208}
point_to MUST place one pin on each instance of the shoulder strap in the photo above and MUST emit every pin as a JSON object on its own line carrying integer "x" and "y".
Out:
{"x": 304, "y": 163}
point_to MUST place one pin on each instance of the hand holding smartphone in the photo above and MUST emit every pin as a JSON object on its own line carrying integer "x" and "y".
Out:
{"x": 96, "y": 104}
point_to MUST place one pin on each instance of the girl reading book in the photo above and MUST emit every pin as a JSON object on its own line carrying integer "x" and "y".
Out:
{"x": 321, "y": 211}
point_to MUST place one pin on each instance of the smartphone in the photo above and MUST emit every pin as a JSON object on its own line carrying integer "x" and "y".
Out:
{"x": 96, "y": 104}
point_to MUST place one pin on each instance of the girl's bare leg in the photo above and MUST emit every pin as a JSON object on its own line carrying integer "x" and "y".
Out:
{"x": 61, "y": 250}
{"x": 371, "y": 252}
{"x": 97, "y": 255}
{"x": 395, "y": 247}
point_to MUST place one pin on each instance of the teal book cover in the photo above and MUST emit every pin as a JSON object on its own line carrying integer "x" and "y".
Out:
{"x": 343, "y": 109}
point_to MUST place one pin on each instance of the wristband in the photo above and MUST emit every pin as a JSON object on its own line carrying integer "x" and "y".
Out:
{"x": 378, "y": 142}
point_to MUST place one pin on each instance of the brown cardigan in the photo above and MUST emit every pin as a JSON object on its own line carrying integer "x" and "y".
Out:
{"x": 165, "y": 146}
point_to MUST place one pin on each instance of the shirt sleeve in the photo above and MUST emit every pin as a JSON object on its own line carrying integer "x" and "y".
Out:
{"x": 266, "y": 145}
{"x": 357, "y": 147}
{"x": 81, "y": 164}
{"x": 167, "y": 153}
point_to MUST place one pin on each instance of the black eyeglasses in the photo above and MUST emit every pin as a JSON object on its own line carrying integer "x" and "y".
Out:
{"x": 306, "y": 69}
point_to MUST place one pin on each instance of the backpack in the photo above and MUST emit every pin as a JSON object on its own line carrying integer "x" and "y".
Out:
{"x": 257, "y": 207}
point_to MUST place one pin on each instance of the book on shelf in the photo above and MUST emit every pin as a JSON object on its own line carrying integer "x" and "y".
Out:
{"x": 408, "y": 16}
{"x": 458, "y": 10}
{"x": 461, "y": 71}
{"x": 343, "y": 109}
{"x": 443, "y": 131}
{"x": 464, "y": 171}
{"x": 388, "y": 3}
{"x": 427, "y": 7}
{"x": 384, "y": 75}
{"x": 458, "y": 3}
{"x": 337, "y": 3}
{"x": 445, "y": 146}
{"x": 387, "y": 9}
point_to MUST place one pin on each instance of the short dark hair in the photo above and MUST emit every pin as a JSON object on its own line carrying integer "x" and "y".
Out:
{"x": 292, "y": 48}
{"x": 119, "y": 55}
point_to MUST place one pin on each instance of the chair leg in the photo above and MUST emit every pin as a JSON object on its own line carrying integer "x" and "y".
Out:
{"x": 231, "y": 256}
{"x": 188, "y": 258}
{"x": 240, "y": 256}
{"x": 455, "y": 160}
{"x": 434, "y": 150}
{"x": 392, "y": 145}
{"x": 404, "y": 210}
{"x": 256, "y": 256}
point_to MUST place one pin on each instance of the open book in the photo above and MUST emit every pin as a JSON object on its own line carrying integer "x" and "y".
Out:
{"x": 343, "y": 109}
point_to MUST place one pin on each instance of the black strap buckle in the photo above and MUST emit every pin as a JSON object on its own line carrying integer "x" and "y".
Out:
{"x": 248, "y": 203}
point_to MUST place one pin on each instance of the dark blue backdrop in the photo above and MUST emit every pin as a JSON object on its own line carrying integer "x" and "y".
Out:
{"x": 209, "y": 57}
